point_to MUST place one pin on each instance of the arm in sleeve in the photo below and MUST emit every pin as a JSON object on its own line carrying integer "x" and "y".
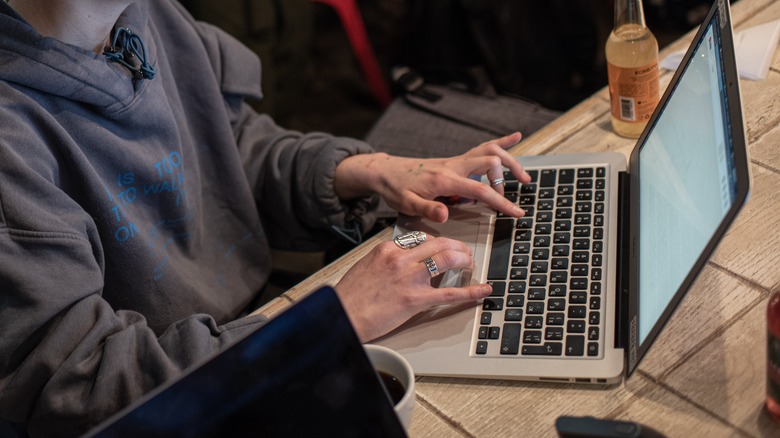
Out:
{"x": 292, "y": 174}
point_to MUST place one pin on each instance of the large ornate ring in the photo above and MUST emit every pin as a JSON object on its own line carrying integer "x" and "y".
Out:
{"x": 497, "y": 182}
{"x": 431, "y": 265}
{"x": 410, "y": 239}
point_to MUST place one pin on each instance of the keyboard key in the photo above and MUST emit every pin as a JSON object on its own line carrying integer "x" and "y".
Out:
{"x": 579, "y": 257}
{"x": 544, "y": 216}
{"x": 510, "y": 340}
{"x": 564, "y": 201}
{"x": 578, "y": 297}
{"x": 555, "y": 304}
{"x": 561, "y": 238}
{"x": 538, "y": 280}
{"x": 513, "y": 314}
{"x": 563, "y": 213}
{"x": 532, "y": 337}
{"x": 528, "y": 188}
{"x": 554, "y": 318}
{"x": 558, "y": 277}
{"x": 519, "y": 260}
{"x": 525, "y": 223}
{"x": 515, "y": 301}
{"x": 536, "y": 293}
{"x": 563, "y": 225}
{"x": 523, "y": 235}
{"x": 584, "y": 195}
{"x": 534, "y": 175}
{"x": 598, "y": 233}
{"x": 585, "y": 184}
{"x": 544, "y": 229}
{"x": 601, "y": 184}
{"x": 578, "y": 283}
{"x": 499, "y": 255}
{"x": 595, "y": 274}
{"x": 601, "y": 172}
{"x": 593, "y": 349}
{"x": 599, "y": 208}
{"x": 575, "y": 345}
{"x": 547, "y": 178}
{"x": 486, "y": 318}
{"x": 518, "y": 248}
{"x": 582, "y": 231}
{"x": 511, "y": 196}
{"x": 546, "y": 193}
{"x": 518, "y": 273}
{"x": 598, "y": 221}
{"x": 534, "y": 322}
{"x": 511, "y": 186}
{"x": 594, "y": 318}
{"x": 499, "y": 288}
{"x": 535, "y": 308}
{"x": 483, "y": 332}
{"x": 598, "y": 246}
{"x": 482, "y": 347}
{"x": 517, "y": 287}
{"x": 579, "y": 270}
{"x": 575, "y": 326}
{"x": 548, "y": 349}
{"x": 553, "y": 334}
{"x": 542, "y": 241}
{"x": 560, "y": 263}
{"x": 493, "y": 304}
{"x": 595, "y": 303}
{"x": 538, "y": 267}
{"x": 566, "y": 176}
{"x": 595, "y": 288}
{"x": 581, "y": 244}
{"x": 577, "y": 312}
{"x": 545, "y": 205}
{"x": 541, "y": 254}
{"x": 527, "y": 200}
{"x": 494, "y": 332}
{"x": 582, "y": 219}
{"x": 585, "y": 172}
{"x": 565, "y": 190}
{"x": 599, "y": 196}
{"x": 583, "y": 207}
{"x": 557, "y": 290}
{"x": 593, "y": 334}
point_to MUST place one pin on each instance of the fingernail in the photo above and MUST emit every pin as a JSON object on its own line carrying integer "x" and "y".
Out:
{"x": 487, "y": 290}
{"x": 520, "y": 212}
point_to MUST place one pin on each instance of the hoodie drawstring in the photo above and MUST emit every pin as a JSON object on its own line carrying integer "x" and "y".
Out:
{"x": 124, "y": 47}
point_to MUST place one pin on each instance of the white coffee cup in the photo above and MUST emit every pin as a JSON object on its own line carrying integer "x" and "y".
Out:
{"x": 388, "y": 361}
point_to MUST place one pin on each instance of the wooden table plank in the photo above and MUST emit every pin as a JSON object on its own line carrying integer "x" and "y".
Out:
{"x": 672, "y": 415}
{"x": 728, "y": 378}
{"x": 715, "y": 300}
{"x": 425, "y": 423}
{"x": 750, "y": 248}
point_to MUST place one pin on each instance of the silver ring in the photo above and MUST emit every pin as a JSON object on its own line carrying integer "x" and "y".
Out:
{"x": 497, "y": 181}
{"x": 410, "y": 239}
{"x": 432, "y": 268}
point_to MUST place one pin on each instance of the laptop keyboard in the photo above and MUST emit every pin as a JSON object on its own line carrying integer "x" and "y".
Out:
{"x": 546, "y": 268}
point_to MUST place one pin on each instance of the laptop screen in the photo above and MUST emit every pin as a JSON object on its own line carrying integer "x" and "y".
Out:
{"x": 688, "y": 180}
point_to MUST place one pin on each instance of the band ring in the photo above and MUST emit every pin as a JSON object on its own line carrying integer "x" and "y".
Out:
{"x": 410, "y": 239}
{"x": 432, "y": 268}
{"x": 497, "y": 182}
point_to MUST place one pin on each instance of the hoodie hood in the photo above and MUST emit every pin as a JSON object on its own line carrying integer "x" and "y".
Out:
{"x": 47, "y": 65}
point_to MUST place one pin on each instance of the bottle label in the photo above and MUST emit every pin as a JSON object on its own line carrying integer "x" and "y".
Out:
{"x": 633, "y": 92}
{"x": 773, "y": 367}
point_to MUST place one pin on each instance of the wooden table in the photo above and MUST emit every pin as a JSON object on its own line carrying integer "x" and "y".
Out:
{"x": 705, "y": 375}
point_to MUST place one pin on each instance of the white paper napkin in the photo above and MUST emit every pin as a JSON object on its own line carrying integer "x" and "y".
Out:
{"x": 754, "y": 48}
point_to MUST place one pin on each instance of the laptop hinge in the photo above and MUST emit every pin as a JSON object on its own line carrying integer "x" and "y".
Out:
{"x": 623, "y": 261}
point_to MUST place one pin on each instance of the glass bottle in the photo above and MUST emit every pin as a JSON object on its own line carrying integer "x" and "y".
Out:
{"x": 773, "y": 356}
{"x": 632, "y": 65}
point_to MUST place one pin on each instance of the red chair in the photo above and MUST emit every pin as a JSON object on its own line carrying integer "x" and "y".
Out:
{"x": 350, "y": 17}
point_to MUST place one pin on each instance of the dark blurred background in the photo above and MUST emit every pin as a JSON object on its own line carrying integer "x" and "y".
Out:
{"x": 548, "y": 51}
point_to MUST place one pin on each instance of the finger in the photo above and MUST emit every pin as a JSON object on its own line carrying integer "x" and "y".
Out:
{"x": 508, "y": 141}
{"x": 415, "y": 205}
{"x": 477, "y": 190}
{"x": 434, "y": 245}
{"x": 495, "y": 177}
{"x": 452, "y": 295}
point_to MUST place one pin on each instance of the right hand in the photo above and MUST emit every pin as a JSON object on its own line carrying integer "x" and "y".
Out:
{"x": 390, "y": 285}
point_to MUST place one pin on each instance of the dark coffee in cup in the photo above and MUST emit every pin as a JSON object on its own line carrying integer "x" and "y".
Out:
{"x": 393, "y": 386}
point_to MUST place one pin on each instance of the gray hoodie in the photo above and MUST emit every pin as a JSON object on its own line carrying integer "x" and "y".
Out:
{"x": 136, "y": 215}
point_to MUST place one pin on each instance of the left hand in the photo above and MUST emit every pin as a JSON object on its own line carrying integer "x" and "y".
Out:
{"x": 410, "y": 185}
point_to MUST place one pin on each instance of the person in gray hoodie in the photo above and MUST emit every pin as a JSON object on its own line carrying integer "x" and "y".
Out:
{"x": 139, "y": 197}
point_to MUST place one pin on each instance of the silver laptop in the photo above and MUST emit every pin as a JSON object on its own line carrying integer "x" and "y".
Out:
{"x": 583, "y": 285}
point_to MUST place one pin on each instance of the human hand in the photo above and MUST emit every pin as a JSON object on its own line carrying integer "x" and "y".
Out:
{"x": 390, "y": 285}
{"x": 411, "y": 185}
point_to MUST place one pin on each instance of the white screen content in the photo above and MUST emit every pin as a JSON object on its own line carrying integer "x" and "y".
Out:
{"x": 686, "y": 186}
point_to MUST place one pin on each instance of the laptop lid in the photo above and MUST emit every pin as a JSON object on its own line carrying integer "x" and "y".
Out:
{"x": 689, "y": 177}
{"x": 304, "y": 373}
